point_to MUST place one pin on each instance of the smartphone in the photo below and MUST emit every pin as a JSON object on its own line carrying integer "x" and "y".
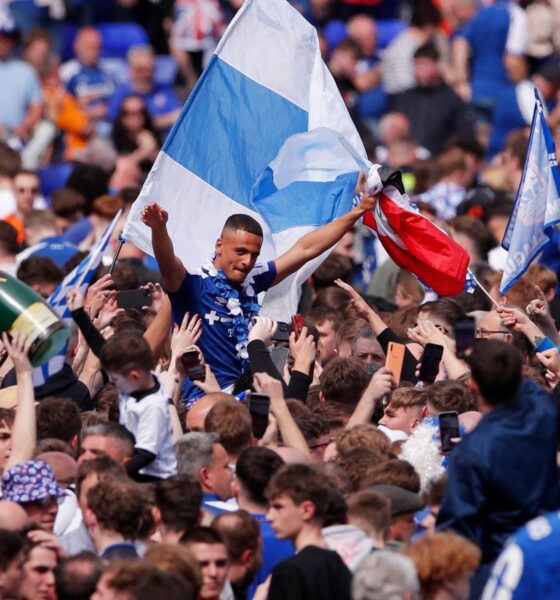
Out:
{"x": 429, "y": 367}
{"x": 464, "y": 335}
{"x": 134, "y": 298}
{"x": 259, "y": 406}
{"x": 395, "y": 358}
{"x": 279, "y": 358}
{"x": 192, "y": 365}
{"x": 448, "y": 430}
{"x": 297, "y": 325}
{"x": 282, "y": 333}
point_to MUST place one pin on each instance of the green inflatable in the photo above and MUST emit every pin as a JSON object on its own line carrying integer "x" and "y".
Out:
{"x": 22, "y": 309}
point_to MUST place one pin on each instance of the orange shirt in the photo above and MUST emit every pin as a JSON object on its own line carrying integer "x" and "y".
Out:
{"x": 18, "y": 224}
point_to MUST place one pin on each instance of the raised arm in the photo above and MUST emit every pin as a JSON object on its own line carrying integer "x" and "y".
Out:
{"x": 316, "y": 242}
{"x": 171, "y": 268}
{"x": 24, "y": 431}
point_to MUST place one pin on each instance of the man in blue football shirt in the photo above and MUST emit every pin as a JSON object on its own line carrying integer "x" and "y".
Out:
{"x": 224, "y": 292}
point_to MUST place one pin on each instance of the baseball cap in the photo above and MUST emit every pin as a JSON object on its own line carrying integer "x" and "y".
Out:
{"x": 30, "y": 481}
{"x": 402, "y": 501}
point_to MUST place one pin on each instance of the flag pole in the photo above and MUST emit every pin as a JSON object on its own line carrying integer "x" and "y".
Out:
{"x": 484, "y": 290}
{"x": 116, "y": 255}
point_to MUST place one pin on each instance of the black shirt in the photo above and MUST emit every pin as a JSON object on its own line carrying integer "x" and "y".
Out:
{"x": 311, "y": 574}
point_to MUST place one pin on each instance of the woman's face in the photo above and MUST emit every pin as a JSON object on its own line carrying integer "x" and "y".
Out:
{"x": 38, "y": 575}
{"x": 133, "y": 111}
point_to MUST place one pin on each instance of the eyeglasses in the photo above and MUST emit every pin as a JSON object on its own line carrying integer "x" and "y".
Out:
{"x": 482, "y": 333}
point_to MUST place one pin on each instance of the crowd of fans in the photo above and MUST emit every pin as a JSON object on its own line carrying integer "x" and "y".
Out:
{"x": 144, "y": 469}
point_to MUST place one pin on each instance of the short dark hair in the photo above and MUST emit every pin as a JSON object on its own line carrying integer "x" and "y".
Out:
{"x": 344, "y": 380}
{"x": 302, "y": 482}
{"x": 58, "y": 418}
{"x": 425, "y": 13}
{"x": 126, "y": 351}
{"x": 11, "y": 544}
{"x": 450, "y": 395}
{"x": 496, "y": 370}
{"x": 245, "y": 223}
{"x": 393, "y": 472}
{"x": 10, "y": 161}
{"x": 178, "y": 499}
{"x": 8, "y": 238}
{"x": 231, "y": 420}
{"x": 114, "y": 430}
{"x": 427, "y": 50}
{"x": 39, "y": 269}
{"x": 76, "y": 576}
{"x": 203, "y": 535}
{"x": 67, "y": 203}
{"x": 7, "y": 416}
{"x": 118, "y": 505}
{"x": 101, "y": 466}
{"x": 254, "y": 469}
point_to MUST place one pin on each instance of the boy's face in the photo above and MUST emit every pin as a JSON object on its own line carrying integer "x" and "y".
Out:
{"x": 286, "y": 517}
{"x": 401, "y": 419}
{"x": 126, "y": 383}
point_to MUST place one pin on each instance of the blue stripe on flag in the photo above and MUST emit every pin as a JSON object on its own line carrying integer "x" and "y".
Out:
{"x": 304, "y": 202}
{"x": 246, "y": 135}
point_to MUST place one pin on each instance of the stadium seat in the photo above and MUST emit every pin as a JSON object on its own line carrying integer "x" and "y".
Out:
{"x": 53, "y": 177}
{"x": 335, "y": 32}
{"x": 118, "y": 38}
{"x": 387, "y": 30}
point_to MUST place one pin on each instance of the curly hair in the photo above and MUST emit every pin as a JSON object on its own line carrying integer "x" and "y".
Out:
{"x": 439, "y": 557}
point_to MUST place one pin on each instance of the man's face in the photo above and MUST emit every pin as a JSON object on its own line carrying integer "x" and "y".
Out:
{"x": 43, "y": 512}
{"x": 220, "y": 474}
{"x": 369, "y": 351}
{"x": 426, "y": 71}
{"x": 104, "y": 591}
{"x": 285, "y": 517}
{"x": 95, "y": 446}
{"x": 214, "y": 565}
{"x": 38, "y": 579}
{"x": 491, "y": 328}
{"x": 5, "y": 445}
{"x": 236, "y": 253}
{"x": 88, "y": 47}
{"x": 12, "y": 577}
{"x": 402, "y": 527}
{"x": 327, "y": 334}
{"x": 400, "y": 419}
{"x": 26, "y": 188}
{"x": 142, "y": 72}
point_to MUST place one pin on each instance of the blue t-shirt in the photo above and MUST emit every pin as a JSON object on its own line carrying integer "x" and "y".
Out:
{"x": 55, "y": 248}
{"x": 274, "y": 552}
{"x": 92, "y": 84}
{"x": 160, "y": 101}
{"x": 529, "y": 566}
{"x": 78, "y": 231}
{"x": 21, "y": 88}
{"x": 199, "y": 295}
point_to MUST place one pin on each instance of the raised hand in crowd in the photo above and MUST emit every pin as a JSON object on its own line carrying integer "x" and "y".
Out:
{"x": 303, "y": 350}
{"x": 97, "y": 295}
{"x": 158, "y": 296}
{"x": 516, "y": 320}
{"x": 154, "y": 216}
{"x": 108, "y": 312}
{"x": 381, "y": 384}
{"x": 262, "y": 329}
{"x": 551, "y": 360}
{"x": 185, "y": 335}
{"x": 539, "y": 312}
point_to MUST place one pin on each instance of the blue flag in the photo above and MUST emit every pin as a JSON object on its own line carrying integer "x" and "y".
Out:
{"x": 537, "y": 204}
{"x": 80, "y": 277}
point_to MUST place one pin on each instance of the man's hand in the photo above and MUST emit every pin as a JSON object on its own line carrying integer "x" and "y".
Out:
{"x": 18, "y": 351}
{"x": 367, "y": 202}
{"x": 108, "y": 311}
{"x": 363, "y": 309}
{"x": 551, "y": 360}
{"x": 158, "y": 295}
{"x": 210, "y": 383}
{"x": 97, "y": 294}
{"x": 426, "y": 332}
{"x": 74, "y": 300}
{"x": 381, "y": 383}
{"x": 265, "y": 384}
{"x": 154, "y": 216}
{"x": 538, "y": 308}
{"x": 262, "y": 329}
{"x": 185, "y": 336}
{"x": 304, "y": 350}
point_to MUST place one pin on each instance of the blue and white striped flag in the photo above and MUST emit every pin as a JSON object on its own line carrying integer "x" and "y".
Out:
{"x": 537, "y": 204}
{"x": 265, "y": 82}
{"x": 80, "y": 278}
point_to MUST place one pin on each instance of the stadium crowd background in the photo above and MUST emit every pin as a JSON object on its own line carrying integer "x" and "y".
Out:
{"x": 109, "y": 491}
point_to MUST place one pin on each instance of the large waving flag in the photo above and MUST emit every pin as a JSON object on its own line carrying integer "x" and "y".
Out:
{"x": 537, "y": 203}
{"x": 80, "y": 277}
{"x": 265, "y": 82}
{"x": 412, "y": 241}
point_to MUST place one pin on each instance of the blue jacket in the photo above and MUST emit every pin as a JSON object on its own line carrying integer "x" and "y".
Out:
{"x": 504, "y": 472}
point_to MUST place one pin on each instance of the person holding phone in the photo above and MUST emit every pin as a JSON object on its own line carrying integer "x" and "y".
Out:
{"x": 224, "y": 291}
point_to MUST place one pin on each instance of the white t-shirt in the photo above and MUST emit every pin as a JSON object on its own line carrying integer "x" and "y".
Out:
{"x": 149, "y": 420}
